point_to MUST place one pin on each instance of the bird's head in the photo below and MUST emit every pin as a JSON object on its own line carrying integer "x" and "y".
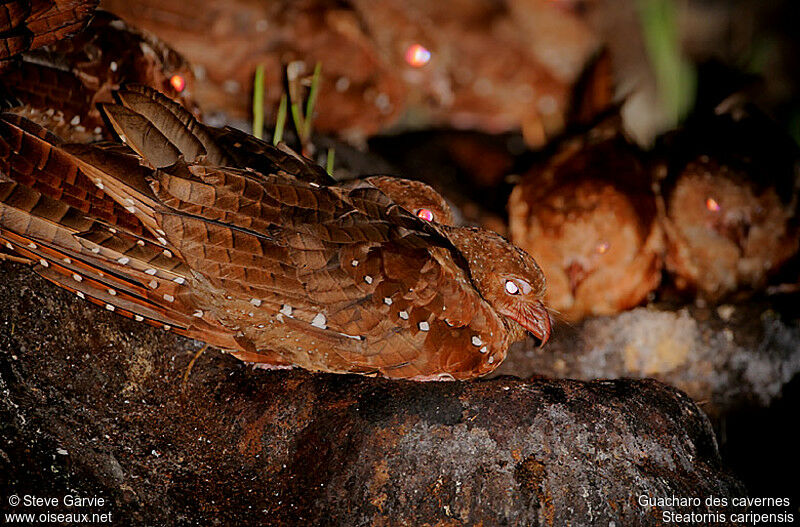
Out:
{"x": 507, "y": 277}
{"x": 416, "y": 197}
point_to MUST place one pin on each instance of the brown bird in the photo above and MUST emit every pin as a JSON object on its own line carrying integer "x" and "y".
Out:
{"x": 729, "y": 203}
{"x": 30, "y": 24}
{"x": 59, "y": 85}
{"x": 279, "y": 266}
{"x": 589, "y": 219}
{"x": 414, "y": 196}
{"x": 477, "y": 64}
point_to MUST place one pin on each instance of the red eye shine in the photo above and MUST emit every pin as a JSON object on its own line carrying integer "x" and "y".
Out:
{"x": 425, "y": 214}
{"x": 417, "y": 55}
{"x": 177, "y": 82}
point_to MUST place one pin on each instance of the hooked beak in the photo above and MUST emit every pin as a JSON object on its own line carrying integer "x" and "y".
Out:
{"x": 534, "y": 318}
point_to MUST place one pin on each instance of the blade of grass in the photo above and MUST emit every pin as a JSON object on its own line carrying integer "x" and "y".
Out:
{"x": 312, "y": 101}
{"x": 258, "y": 102}
{"x": 297, "y": 117}
{"x": 329, "y": 161}
{"x": 280, "y": 121}
{"x": 674, "y": 74}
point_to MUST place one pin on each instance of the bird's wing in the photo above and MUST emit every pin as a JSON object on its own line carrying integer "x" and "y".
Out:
{"x": 337, "y": 281}
{"x": 160, "y": 130}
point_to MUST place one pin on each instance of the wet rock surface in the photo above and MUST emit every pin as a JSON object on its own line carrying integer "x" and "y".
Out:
{"x": 93, "y": 404}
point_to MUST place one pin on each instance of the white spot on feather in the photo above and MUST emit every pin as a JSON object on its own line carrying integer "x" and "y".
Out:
{"x": 138, "y": 318}
{"x": 286, "y": 309}
{"x": 110, "y": 307}
{"x": 476, "y": 341}
{"x": 150, "y": 271}
{"x": 112, "y": 292}
{"x": 424, "y": 326}
{"x": 80, "y": 295}
{"x": 198, "y": 313}
{"x": 169, "y": 298}
{"x": 179, "y": 280}
{"x": 368, "y": 279}
{"x": 403, "y": 315}
{"x": 44, "y": 263}
{"x": 354, "y": 263}
{"x": 319, "y": 321}
{"x": 124, "y": 260}
{"x": 387, "y": 301}
{"x": 255, "y": 301}
{"x": 77, "y": 277}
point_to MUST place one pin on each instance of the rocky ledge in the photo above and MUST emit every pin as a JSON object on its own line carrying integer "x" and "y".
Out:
{"x": 95, "y": 405}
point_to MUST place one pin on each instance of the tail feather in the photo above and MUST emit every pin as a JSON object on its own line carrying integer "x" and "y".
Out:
{"x": 105, "y": 268}
{"x": 30, "y": 155}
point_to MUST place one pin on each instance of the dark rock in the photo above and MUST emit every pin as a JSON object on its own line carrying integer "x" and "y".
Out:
{"x": 93, "y": 404}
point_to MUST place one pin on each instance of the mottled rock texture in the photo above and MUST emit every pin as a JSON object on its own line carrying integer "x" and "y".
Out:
{"x": 724, "y": 357}
{"x": 93, "y": 404}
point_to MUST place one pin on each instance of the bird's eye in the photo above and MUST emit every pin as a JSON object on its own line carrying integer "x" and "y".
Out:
{"x": 712, "y": 205}
{"x": 425, "y": 214}
{"x": 417, "y": 55}
{"x": 511, "y": 288}
{"x": 602, "y": 247}
{"x": 177, "y": 82}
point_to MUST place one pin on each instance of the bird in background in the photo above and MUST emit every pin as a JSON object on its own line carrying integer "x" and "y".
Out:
{"x": 728, "y": 201}
{"x": 221, "y": 237}
{"x": 59, "y": 85}
{"x": 31, "y": 24}
{"x": 588, "y": 217}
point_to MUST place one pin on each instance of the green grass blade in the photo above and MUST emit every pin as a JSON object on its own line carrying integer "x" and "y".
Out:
{"x": 312, "y": 100}
{"x": 329, "y": 161}
{"x": 297, "y": 117}
{"x": 258, "y": 102}
{"x": 280, "y": 121}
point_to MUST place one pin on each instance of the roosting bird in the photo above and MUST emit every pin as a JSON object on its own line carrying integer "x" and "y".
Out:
{"x": 59, "y": 85}
{"x": 589, "y": 219}
{"x": 729, "y": 208}
{"x": 223, "y": 238}
{"x": 30, "y": 24}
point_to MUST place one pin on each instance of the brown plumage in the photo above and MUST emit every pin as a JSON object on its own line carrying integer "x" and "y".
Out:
{"x": 280, "y": 266}
{"x": 493, "y": 65}
{"x": 60, "y": 85}
{"x": 31, "y": 24}
{"x": 589, "y": 219}
{"x": 729, "y": 203}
